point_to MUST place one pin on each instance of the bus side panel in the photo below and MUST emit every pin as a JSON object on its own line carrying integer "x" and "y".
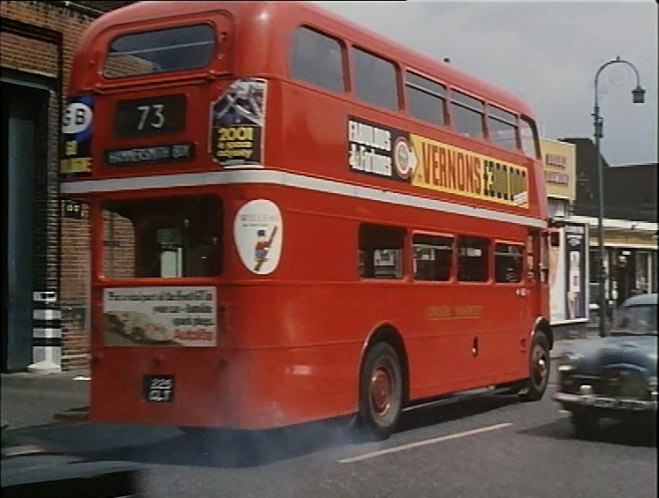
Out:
{"x": 278, "y": 387}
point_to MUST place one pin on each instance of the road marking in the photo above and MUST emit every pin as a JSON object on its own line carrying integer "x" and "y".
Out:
{"x": 426, "y": 442}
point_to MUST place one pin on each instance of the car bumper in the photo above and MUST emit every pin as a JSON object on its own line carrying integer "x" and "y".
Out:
{"x": 602, "y": 402}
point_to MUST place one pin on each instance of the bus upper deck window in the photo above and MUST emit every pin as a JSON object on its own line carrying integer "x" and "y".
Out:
{"x": 426, "y": 99}
{"x": 374, "y": 80}
{"x": 317, "y": 59}
{"x": 159, "y": 51}
{"x": 502, "y": 127}
{"x": 529, "y": 137}
{"x": 467, "y": 114}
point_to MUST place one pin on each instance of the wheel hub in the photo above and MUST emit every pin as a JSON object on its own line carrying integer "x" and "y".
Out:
{"x": 540, "y": 364}
{"x": 381, "y": 391}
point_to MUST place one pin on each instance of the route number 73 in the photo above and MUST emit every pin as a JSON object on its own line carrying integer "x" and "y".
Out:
{"x": 151, "y": 115}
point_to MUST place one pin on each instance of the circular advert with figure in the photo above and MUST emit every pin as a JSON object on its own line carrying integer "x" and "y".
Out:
{"x": 258, "y": 233}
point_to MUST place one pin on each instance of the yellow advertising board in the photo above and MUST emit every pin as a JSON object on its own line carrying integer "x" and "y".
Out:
{"x": 559, "y": 163}
{"x": 447, "y": 168}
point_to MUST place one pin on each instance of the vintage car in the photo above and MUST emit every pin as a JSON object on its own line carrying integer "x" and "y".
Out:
{"x": 613, "y": 376}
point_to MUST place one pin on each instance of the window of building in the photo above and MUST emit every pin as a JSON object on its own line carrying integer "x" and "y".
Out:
{"x": 374, "y": 80}
{"x": 502, "y": 127}
{"x": 508, "y": 262}
{"x": 433, "y": 256}
{"x": 472, "y": 259}
{"x": 467, "y": 114}
{"x": 162, "y": 238}
{"x": 317, "y": 59}
{"x": 160, "y": 51}
{"x": 529, "y": 138}
{"x": 426, "y": 100}
{"x": 380, "y": 251}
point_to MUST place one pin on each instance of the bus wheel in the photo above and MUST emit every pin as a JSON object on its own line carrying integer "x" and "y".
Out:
{"x": 381, "y": 390}
{"x": 539, "y": 365}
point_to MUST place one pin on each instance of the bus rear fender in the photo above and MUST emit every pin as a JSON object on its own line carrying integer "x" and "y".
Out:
{"x": 385, "y": 332}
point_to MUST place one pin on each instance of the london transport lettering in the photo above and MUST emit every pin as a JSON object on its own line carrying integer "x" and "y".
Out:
{"x": 383, "y": 151}
{"x": 443, "y": 312}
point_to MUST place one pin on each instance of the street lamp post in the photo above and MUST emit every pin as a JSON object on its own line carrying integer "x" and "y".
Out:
{"x": 638, "y": 98}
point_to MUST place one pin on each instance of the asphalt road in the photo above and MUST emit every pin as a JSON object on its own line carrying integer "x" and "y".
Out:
{"x": 493, "y": 447}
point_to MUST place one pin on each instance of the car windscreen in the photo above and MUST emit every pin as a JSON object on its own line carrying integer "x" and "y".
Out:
{"x": 159, "y": 51}
{"x": 641, "y": 319}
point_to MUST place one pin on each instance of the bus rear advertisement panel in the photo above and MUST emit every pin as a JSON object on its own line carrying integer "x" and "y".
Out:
{"x": 177, "y": 316}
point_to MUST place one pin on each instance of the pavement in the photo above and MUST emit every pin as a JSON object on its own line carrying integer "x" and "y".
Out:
{"x": 588, "y": 333}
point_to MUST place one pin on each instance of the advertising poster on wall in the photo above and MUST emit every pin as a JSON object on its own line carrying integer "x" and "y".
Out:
{"x": 557, "y": 276}
{"x": 567, "y": 274}
{"x": 173, "y": 316}
{"x": 575, "y": 271}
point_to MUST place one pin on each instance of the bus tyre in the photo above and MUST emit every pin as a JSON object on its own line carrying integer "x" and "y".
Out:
{"x": 539, "y": 365}
{"x": 380, "y": 390}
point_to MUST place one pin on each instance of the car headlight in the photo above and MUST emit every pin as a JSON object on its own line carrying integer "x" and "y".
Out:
{"x": 569, "y": 361}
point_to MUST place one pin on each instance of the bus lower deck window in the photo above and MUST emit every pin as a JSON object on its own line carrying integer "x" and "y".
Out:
{"x": 162, "y": 238}
{"x": 472, "y": 259}
{"x": 433, "y": 257}
{"x": 380, "y": 251}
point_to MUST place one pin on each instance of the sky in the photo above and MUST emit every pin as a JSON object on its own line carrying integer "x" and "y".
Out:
{"x": 548, "y": 53}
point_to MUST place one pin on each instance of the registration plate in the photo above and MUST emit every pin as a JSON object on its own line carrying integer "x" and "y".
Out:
{"x": 605, "y": 403}
{"x": 158, "y": 388}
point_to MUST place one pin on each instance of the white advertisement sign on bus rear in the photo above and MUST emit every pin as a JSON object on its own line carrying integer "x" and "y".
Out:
{"x": 172, "y": 316}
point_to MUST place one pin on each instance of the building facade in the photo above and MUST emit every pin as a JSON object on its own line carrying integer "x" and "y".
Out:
{"x": 629, "y": 224}
{"x": 37, "y": 41}
{"x": 46, "y": 282}
{"x": 568, "y": 248}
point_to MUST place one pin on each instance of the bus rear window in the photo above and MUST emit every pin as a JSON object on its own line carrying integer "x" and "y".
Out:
{"x": 159, "y": 51}
{"x": 162, "y": 238}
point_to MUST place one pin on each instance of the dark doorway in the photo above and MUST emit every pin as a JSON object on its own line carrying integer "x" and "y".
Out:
{"x": 625, "y": 274}
{"x": 24, "y": 155}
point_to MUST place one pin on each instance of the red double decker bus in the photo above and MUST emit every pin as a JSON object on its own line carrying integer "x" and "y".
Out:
{"x": 293, "y": 219}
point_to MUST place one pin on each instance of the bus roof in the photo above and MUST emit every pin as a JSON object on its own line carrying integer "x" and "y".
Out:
{"x": 278, "y": 14}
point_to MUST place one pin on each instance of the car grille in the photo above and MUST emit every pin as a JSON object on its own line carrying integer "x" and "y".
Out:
{"x": 623, "y": 383}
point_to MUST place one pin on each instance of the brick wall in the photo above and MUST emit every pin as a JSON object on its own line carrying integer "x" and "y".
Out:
{"x": 23, "y": 51}
{"x": 119, "y": 246}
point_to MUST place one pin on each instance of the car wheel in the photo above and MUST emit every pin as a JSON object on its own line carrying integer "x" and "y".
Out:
{"x": 380, "y": 390}
{"x": 539, "y": 368}
{"x": 585, "y": 425}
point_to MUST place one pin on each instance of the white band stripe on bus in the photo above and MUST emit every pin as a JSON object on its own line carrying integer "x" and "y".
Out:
{"x": 426, "y": 442}
{"x": 284, "y": 178}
